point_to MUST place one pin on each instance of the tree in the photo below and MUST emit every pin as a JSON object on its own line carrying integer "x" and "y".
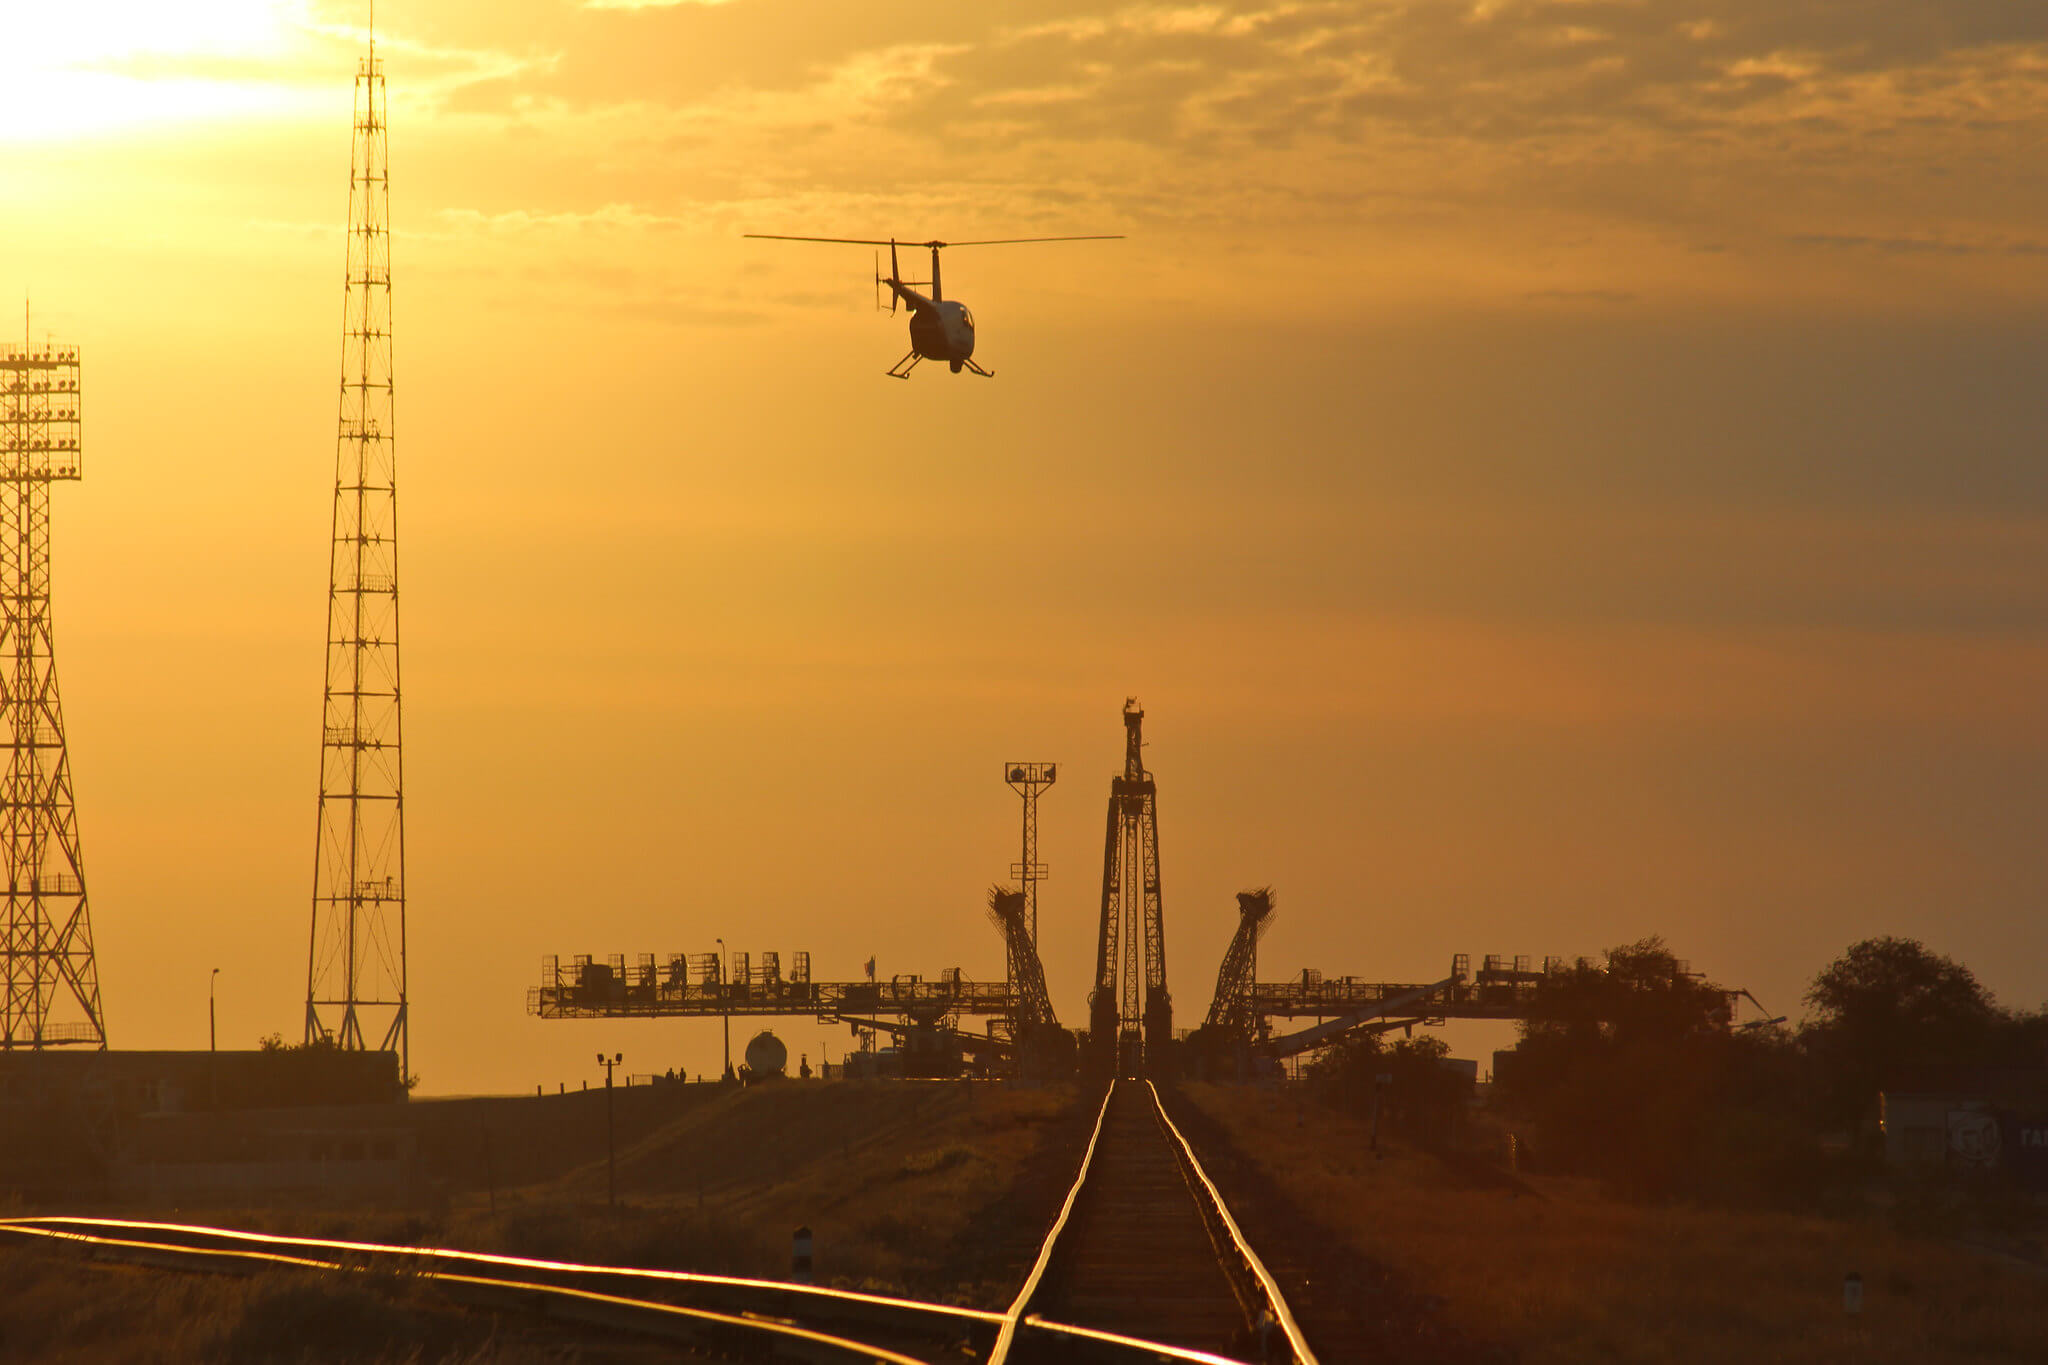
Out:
{"x": 1639, "y": 995}
{"x": 1422, "y": 1096}
{"x": 1628, "y": 1069}
{"x": 1889, "y": 1005}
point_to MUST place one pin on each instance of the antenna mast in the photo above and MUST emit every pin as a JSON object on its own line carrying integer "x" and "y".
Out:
{"x": 355, "y": 976}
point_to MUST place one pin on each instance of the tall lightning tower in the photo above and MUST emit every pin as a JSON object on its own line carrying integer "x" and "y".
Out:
{"x": 355, "y": 976}
{"x": 1028, "y": 780}
{"x": 53, "y": 987}
{"x": 1127, "y": 1034}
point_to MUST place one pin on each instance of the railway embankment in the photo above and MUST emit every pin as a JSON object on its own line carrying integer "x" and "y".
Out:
{"x": 1575, "y": 1275}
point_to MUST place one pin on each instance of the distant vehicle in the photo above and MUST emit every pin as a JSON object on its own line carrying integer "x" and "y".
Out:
{"x": 940, "y": 328}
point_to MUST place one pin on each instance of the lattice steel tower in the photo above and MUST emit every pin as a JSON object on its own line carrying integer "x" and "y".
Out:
{"x": 1230, "y": 1009}
{"x": 53, "y": 987}
{"x": 1126, "y": 1037}
{"x": 1028, "y": 780}
{"x": 355, "y": 977}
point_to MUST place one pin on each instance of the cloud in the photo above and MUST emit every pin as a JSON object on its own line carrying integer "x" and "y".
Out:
{"x": 1918, "y": 246}
{"x": 1579, "y": 296}
{"x": 1512, "y": 70}
{"x": 1616, "y": 135}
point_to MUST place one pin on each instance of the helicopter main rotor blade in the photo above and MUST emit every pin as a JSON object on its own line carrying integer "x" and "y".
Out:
{"x": 1017, "y": 241}
{"x": 934, "y": 246}
{"x": 851, "y": 241}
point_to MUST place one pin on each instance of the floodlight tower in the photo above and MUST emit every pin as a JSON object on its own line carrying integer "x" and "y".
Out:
{"x": 355, "y": 976}
{"x": 53, "y": 988}
{"x": 1028, "y": 780}
{"x": 1126, "y": 1036}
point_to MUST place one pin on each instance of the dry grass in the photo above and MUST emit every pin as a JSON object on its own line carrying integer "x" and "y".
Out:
{"x": 888, "y": 1176}
{"x": 1576, "y": 1277}
{"x": 55, "y": 1312}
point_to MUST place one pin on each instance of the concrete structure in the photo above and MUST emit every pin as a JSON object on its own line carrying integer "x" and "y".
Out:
{"x": 69, "y": 1120}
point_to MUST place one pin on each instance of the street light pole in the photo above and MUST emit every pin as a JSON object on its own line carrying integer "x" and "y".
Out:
{"x": 611, "y": 1150}
{"x": 725, "y": 999}
{"x": 212, "y": 1046}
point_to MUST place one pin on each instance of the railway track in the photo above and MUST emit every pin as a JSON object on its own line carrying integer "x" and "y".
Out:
{"x": 1144, "y": 1263}
{"x": 714, "y": 1316}
{"x": 719, "y": 1316}
{"x": 1145, "y": 1249}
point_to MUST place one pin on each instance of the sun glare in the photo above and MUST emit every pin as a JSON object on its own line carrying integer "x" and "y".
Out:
{"x": 85, "y": 67}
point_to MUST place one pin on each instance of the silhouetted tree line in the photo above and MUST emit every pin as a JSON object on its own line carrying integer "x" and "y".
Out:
{"x": 289, "y": 1075}
{"x": 1416, "y": 1094}
{"x": 1628, "y": 1069}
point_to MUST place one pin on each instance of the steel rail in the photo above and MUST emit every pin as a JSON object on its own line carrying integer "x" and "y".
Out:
{"x": 613, "y": 1310}
{"x": 187, "y": 1247}
{"x": 183, "y": 1245}
{"x": 1116, "y": 1346}
{"x": 743, "y": 1295}
{"x": 1276, "y": 1303}
{"x": 1014, "y": 1318}
{"x": 1019, "y": 1321}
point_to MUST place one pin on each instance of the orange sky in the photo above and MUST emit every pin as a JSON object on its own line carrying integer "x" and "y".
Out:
{"x": 1553, "y": 473}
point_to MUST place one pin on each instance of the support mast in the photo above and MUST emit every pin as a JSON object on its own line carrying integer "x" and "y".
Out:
{"x": 53, "y": 990}
{"x": 1130, "y": 1013}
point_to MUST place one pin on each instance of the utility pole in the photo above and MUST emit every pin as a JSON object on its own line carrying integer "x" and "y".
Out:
{"x": 611, "y": 1150}
{"x": 212, "y": 1045}
{"x": 725, "y": 999}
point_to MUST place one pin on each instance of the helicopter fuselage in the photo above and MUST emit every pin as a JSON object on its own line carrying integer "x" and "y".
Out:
{"x": 940, "y": 329}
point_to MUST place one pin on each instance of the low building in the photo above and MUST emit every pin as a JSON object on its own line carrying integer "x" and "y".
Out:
{"x": 70, "y": 1120}
{"x": 367, "y": 1154}
{"x": 1965, "y": 1120}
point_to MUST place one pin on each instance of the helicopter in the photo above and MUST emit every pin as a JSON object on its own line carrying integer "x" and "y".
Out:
{"x": 940, "y": 328}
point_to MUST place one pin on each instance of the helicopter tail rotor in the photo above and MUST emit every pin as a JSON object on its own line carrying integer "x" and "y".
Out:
{"x": 891, "y": 279}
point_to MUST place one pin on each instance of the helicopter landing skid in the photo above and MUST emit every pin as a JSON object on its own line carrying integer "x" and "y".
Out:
{"x": 902, "y": 368}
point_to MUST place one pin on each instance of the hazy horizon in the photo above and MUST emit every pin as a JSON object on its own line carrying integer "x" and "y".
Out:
{"x": 1552, "y": 473}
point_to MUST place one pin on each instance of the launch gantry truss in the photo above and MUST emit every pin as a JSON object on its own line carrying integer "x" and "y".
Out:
{"x": 697, "y": 986}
